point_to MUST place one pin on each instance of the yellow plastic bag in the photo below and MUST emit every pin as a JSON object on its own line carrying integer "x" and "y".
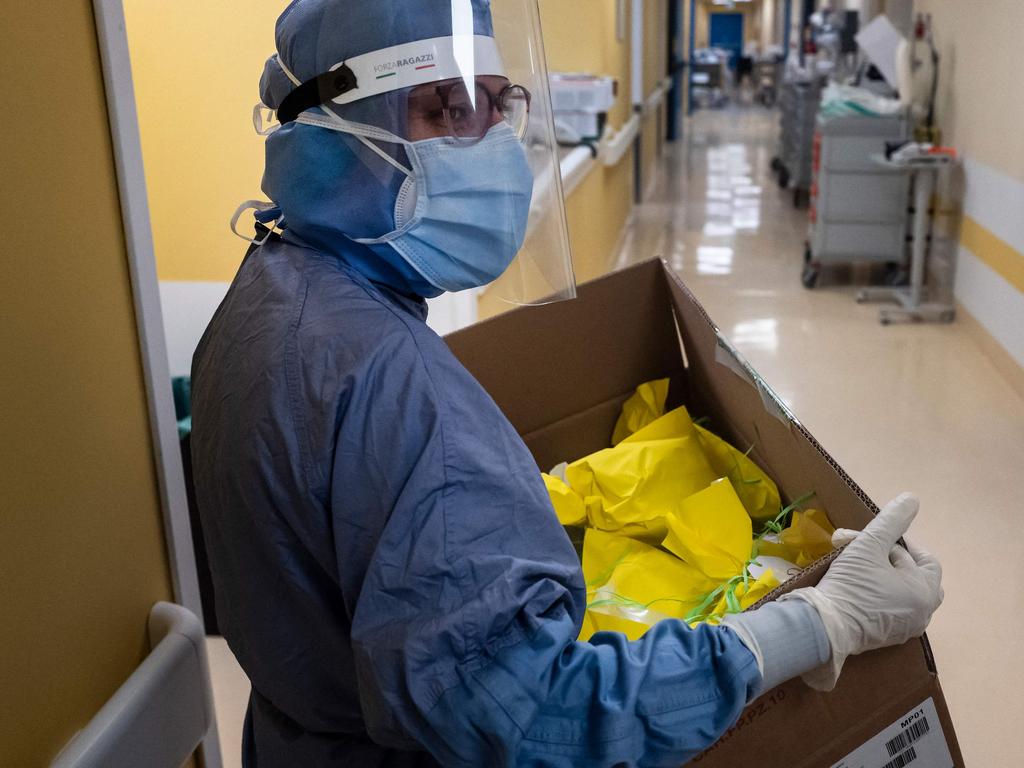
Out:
{"x": 744, "y": 595}
{"x": 631, "y": 487}
{"x": 675, "y": 423}
{"x": 596, "y": 621}
{"x": 629, "y": 581}
{"x": 712, "y": 532}
{"x": 808, "y": 538}
{"x": 568, "y": 505}
{"x": 644, "y": 406}
{"x": 757, "y": 491}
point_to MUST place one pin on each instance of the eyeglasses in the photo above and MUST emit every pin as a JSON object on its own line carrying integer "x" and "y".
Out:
{"x": 448, "y": 109}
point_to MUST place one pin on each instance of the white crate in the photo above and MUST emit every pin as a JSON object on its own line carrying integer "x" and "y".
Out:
{"x": 586, "y": 124}
{"x": 582, "y": 93}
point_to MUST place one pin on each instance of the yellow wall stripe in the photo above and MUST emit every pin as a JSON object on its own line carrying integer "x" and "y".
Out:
{"x": 999, "y": 255}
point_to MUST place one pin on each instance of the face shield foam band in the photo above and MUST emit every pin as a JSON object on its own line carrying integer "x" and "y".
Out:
{"x": 456, "y": 57}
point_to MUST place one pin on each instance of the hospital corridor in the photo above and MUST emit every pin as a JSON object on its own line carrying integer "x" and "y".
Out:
{"x": 513, "y": 383}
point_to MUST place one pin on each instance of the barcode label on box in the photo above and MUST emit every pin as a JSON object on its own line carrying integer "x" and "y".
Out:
{"x": 902, "y": 761}
{"x": 915, "y": 740}
{"x": 903, "y": 740}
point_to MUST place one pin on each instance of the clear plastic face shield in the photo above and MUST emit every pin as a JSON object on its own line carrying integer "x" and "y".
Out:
{"x": 461, "y": 90}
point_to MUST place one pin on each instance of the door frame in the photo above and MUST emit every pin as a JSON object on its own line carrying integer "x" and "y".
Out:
{"x": 131, "y": 180}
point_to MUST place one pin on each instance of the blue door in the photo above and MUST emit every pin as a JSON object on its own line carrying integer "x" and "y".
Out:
{"x": 727, "y": 32}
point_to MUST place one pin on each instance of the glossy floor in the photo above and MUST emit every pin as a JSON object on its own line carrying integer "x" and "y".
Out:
{"x": 915, "y": 407}
{"x": 901, "y": 407}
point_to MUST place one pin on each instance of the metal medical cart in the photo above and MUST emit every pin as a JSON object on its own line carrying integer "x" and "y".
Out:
{"x": 914, "y": 302}
{"x": 858, "y": 206}
{"x": 767, "y": 80}
{"x": 798, "y": 104}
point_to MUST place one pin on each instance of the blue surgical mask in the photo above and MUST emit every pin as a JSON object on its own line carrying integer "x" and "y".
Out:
{"x": 461, "y": 215}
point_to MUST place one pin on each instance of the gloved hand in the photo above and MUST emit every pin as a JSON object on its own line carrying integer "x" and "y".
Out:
{"x": 876, "y": 593}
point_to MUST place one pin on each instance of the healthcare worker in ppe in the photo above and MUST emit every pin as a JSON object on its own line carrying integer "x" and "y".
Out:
{"x": 387, "y": 565}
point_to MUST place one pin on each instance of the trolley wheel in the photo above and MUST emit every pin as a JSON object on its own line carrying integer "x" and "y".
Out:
{"x": 783, "y": 177}
{"x": 776, "y": 164}
{"x": 896, "y": 275}
{"x": 948, "y": 316}
{"x": 884, "y": 320}
{"x": 809, "y": 277}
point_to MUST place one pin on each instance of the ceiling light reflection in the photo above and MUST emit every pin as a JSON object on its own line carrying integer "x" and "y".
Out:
{"x": 719, "y": 229}
{"x": 759, "y": 334}
{"x": 746, "y": 218}
{"x": 714, "y": 260}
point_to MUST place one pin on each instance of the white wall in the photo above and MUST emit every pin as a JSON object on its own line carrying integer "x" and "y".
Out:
{"x": 996, "y": 202}
{"x": 901, "y": 13}
{"x": 189, "y": 306}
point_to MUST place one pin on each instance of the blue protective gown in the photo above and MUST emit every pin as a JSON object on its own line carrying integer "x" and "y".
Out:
{"x": 388, "y": 568}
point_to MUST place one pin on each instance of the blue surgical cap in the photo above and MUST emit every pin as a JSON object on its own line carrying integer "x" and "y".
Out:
{"x": 314, "y": 35}
{"x": 328, "y": 185}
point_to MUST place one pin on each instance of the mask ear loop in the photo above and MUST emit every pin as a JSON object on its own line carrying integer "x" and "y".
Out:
{"x": 364, "y": 133}
{"x": 384, "y": 155}
{"x": 256, "y": 205}
{"x": 264, "y": 128}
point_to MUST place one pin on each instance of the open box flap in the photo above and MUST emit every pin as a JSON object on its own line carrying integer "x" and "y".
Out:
{"x": 736, "y": 405}
{"x": 548, "y": 363}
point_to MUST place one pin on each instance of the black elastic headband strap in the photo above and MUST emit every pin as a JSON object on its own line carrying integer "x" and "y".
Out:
{"x": 315, "y": 92}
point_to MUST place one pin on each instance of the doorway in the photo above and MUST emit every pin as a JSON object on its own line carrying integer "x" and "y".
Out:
{"x": 726, "y": 32}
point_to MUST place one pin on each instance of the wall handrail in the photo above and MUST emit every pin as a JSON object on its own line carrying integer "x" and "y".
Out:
{"x": 615, "y": 144}
{"x": 162, "y": 712}
{"x": 657, "y": 97}
{"x": 575, "y": 166}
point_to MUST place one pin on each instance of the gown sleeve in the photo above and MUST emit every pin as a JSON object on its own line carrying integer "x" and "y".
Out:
{"x": 466, "y": 614}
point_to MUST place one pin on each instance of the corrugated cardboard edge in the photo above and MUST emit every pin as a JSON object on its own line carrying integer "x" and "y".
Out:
{"x": 813, "y": 573}
{"x": 810, "y": 576}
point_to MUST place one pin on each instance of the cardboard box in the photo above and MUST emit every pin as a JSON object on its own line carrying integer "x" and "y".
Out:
{"x": 561, "y": 373}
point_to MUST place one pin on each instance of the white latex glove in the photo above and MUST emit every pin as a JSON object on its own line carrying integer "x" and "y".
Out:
{"x": 876, "y": 593}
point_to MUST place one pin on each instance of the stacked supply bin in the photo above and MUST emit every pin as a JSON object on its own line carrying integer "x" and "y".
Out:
{"x": 799, "y": 104}
{"x": 858, "y": 206}
{"x": 581, "y": 102}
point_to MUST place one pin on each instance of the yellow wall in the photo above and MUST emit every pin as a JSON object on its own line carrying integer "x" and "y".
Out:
{"x": 655, "y": 43}
{"x": 197, "y": 65}
{"x": 598, "y": 209}
{"x": 655, "y": 69}
{"x": 82, "y": 554}
{"x": 580, "y": 36}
